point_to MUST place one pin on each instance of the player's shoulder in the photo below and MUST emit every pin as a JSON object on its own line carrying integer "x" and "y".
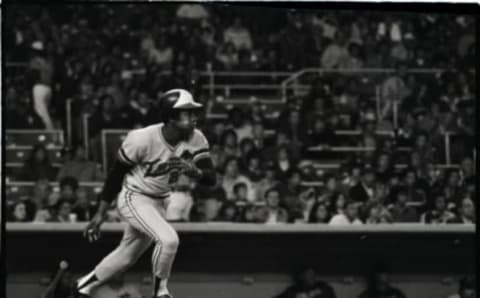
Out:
{"x": 198, "y": 139}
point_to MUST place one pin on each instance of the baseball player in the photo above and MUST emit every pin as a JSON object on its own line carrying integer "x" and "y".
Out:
{"x": 149, "y": 162}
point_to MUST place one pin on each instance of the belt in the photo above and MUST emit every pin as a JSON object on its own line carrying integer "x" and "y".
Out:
{"x": 155, "y": 197}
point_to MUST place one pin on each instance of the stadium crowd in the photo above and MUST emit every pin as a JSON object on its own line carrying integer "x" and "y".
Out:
{"x": 113, "y": 60}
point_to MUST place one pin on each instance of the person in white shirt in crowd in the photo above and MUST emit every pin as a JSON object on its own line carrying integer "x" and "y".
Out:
{"x": 273, "y": 213}
{"x": 466, "y": 213}
{"x": 42, "y": 70}
{"x": 349, "y": 217}
{"x": 238, "y": 34}
{"x": 336, "y": 52}
{"x": 232, "y": 176}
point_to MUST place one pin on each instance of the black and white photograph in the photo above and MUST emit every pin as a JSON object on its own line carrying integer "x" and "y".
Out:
{"x": 167, "y": 149}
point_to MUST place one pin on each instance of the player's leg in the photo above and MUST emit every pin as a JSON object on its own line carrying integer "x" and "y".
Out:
{"x": 133, "y": 245}
{"x": 151, "y": 215}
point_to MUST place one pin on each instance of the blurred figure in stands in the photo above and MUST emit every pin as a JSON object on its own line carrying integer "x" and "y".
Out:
{"x": 19, "y": 114}
{"x": 348, "y": 217}
{"x": 63, "y": 212}
{"x": 273, "y": 212}
{"x": 238, "y": 35}
{"x": 400, "y": 210}
{"x": 232, "y": 176}
{"x": 62, "y": 283}
{"x": 378, "y": 285}
{"x": 306, "y": 284}
{"x": 267, "y": 182}
{"x": 84, "y": 207}
{"x": 439, "y": 214}
{"x": 19, "y": 213}
{"x": 117, "y": 287}
{"x": 38, "y": 165}
{"x": 465, "y": 214}
{"x": 228, "y": 213}
{"x": 319, "y": 213}
{"x": 68, "y": 189}
{"x": 230, "y": 144}
{"x": 80, "y": 168}
{"x": 466, "y": 288}
{"x": 42, "y": 73}
{"x": 364, "y": 189}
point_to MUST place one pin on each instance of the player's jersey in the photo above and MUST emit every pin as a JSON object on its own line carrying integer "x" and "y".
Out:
{"x": 149, "y": 153}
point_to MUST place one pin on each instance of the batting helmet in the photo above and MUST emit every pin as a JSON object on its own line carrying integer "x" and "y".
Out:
{"x": 172, "y": 101}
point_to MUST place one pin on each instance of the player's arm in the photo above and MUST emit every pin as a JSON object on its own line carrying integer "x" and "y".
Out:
{"x": 129, "y": 154}
{"x": 206, "y": 175}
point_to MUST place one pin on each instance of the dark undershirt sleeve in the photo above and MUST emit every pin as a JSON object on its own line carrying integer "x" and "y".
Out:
{"x": 209, "y": 177}
{"x": 114, "y": 181}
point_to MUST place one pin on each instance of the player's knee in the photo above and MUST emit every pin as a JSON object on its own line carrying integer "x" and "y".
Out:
{"x": 127, "y": 261}
{"x": 170, "y": 243}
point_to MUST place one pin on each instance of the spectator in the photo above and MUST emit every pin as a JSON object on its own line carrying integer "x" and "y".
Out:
{"x": 228, "y": 213}
{"x": 337, "y": 204}
{"x": 352, "y": 59}
{"x": 241, "y": 123}
{"x": 290, "y": 193}
{"x": 465, "y": 214}
{"x": 363, "y": 191}
{"x": 378, "y": 285}
{"x": 466, "y": 288}
{"x": 348, "y": 217}
{"x": 227, "y": 56}
{"x": 238, "y": 35}
{"x": 415, "y": 189}
{"x": 84, "y": 208}
{"x": 267, "y": 182}
{"x": 230, "y": 144}
{"x": 439, "y": 214}
{"x": 246, "y": 148}
{"x": 401, "y": 212}
{"x": 240, "y": 193}
{"x": 453, "y": 189}
{"x": 249, "y": 214}
{"x": 254, "y": 171}
{"x": 38, "y": 200}
{"x": 467, "y": 169}
{"x": 206, "y": 210}
{"x": 394, "y": 90}
{"x": 117, "y": 287}
{"x": 68, "y": 189}
{"x": 335, "y": 52}
{"x": 320, "y": 134}
{"x": 306, "y": 284}
{"x": 319, "y": 213}
{"x": 284, "y": 163}
{"x": 384, "y": 167}
{"x": 19, "y": 114}
{"x": 38, "y": 165}
{"x": 80, "y": 168}
{"x": 62, "y": 284}
{"x": 273, "y": 212}
{"x": 377, "y": 213}
{"x": 19, "y": 212}
{"x": 292, "y": 126}
{"x": 232, "y": 176}
{"x": 42, "y": 71}
{"x": 63, "y": 212}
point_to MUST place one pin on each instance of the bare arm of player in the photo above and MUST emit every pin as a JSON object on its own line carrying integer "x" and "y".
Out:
{"x": 111, "y": 188}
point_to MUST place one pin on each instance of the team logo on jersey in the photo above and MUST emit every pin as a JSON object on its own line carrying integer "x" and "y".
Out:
{"x": 157, "y": 168}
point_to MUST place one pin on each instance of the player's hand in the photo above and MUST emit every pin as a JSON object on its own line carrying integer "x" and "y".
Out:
{"x": 63, "y": 265}
{"x": 186, "y": 167}
{"x": 92, "y": 231}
